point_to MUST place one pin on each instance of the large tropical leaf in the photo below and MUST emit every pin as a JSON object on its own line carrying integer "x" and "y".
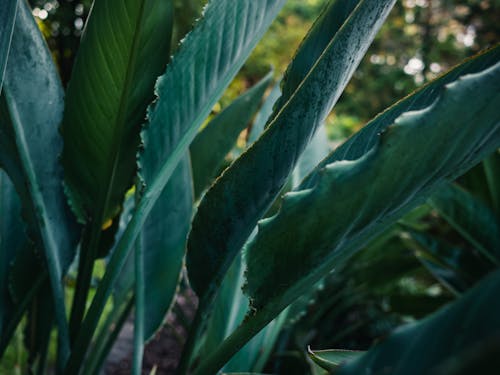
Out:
{"x": 206, "y": 62}
{"x": 230, "y": 209}
{"x": 471, "y": 218}
{"x": 424, "y": 347}
{"x": 401, "y": 170}
{"x": 26, "y": 117}
{"x": 124, "y": 48}
{"x": 8, "y": 12}
{"x": 214, "y": 142}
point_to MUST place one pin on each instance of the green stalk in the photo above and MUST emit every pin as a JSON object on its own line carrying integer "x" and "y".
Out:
{"x": 139, "y": 309}
{"x": 88, "y": 254}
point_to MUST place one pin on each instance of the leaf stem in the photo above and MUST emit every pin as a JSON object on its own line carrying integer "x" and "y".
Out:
{"x": 88, "y": 254}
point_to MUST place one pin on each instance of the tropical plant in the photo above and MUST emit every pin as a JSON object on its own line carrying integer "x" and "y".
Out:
{"x": 130, "y": 120}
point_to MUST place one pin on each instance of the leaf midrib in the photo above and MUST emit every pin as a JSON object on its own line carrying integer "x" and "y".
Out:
{"x": 119, "y": 123}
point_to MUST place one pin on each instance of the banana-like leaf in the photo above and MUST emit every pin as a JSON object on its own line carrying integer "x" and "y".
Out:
{"x": 204, "y": 65}
{"x": 421, "y": 347}
{"x": 331, "y": 359}
{"x": 213, "y": 143}
{"x": 124, "y": 48}
{"x": 26, "y": 117}
{"x": 401, "y": 170}
{"x": 232, "y": 206}
{"x": 364, "y": 140}
{"x": 8, "y": 12}
{"x": 471, "y": 218}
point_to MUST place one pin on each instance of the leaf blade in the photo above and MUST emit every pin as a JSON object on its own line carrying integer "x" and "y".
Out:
{"x": 391, "y": 190}
{"x": 33, "y": 165}
{"x": 266, "y": 164}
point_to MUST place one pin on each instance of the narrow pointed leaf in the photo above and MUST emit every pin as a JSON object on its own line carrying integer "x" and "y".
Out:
{"x": 214, "y": 142}
{"x": 471, "y": 218}
{"x": 125, "y": 47}
{"x": 8, "y": 12}
{"x": 222, "y": 225}
{"x": 26, "y": 117}
{"x": 421, "y": 347}
{"x": 331, "y": 359}
{"x": 397, "y": 174}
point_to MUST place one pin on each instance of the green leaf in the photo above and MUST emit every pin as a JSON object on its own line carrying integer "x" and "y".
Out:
{"x": 30, "y": 145}
{"x": 195, "y": 79}
{"x": 401, "y": 170}
{"x": 163, "y": 239}
{"x": 364, "y": 140}
{"x": 331, "y": 359}
{"x": 230, "y": 209}
{"x": 315, "y": 151}
{"x": 125, "y": 47}
{"x": 419, "y": 348}
{"x": 8, "y": 12}
{"x": 471, "y": 218}
{"x": 491, "y": 167}
{"x": 214, "y": 142}
{"x": 229, "y": 311}
{"x": 12, "y": 240}
{"x": 266, "y": 110}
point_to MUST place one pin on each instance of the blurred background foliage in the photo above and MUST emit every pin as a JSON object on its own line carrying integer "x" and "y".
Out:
{"x": 430, "y": 256}
{"x": 420, "y": 40}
